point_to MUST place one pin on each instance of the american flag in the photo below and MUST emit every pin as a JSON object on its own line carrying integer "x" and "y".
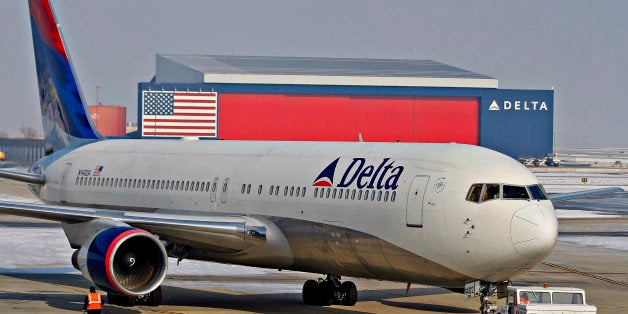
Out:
{"x": 175, "y": 113}
{"x": 97, "y": 171}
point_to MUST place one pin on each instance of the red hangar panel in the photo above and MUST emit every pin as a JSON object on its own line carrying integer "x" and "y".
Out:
{"x": 446, "y": 119}
{"x": 342, "y": 117}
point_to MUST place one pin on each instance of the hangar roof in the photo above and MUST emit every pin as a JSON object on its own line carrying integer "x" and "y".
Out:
{"x": 173, "y": 68}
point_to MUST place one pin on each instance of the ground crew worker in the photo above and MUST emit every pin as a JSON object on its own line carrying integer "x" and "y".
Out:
{"x": 93, "y": 302}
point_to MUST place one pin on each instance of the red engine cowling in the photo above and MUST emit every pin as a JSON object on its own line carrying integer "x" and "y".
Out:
{"x": 123, "y": 260}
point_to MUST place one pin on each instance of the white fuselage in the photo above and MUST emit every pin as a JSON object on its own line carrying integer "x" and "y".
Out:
{"x": 415, "y": 225}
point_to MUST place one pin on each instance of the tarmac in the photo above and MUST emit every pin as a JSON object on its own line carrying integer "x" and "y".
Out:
{"x": 602, "y": 272}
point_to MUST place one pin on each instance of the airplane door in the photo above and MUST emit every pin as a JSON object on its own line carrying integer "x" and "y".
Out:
{"x": 414, "y": 207}
{"x": 63, "y": 183}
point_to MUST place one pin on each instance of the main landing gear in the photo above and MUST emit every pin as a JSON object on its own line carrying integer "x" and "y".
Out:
{"x": 152, "y": 298}
{"x": 330, "y": 291}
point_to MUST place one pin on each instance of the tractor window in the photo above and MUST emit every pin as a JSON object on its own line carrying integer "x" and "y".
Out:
{"x": 527, "y": 297}
{"x": 567, "y": 298}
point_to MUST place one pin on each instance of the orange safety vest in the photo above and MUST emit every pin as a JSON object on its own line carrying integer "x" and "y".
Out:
{"x": 523, "y": 300}
{"x": 93, "y": 301}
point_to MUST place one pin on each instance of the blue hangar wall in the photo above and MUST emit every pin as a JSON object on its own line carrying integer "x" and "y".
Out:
{"x": 518, "y": 123}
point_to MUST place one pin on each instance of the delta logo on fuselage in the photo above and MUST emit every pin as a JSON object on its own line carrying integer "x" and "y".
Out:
{"x": 382, "y": 176}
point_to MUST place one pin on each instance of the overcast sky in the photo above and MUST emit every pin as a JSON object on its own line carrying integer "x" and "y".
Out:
{"x": 578, "y": 47}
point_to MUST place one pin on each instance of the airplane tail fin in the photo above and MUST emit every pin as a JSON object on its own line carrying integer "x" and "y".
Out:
{"x": 64, "y": 114}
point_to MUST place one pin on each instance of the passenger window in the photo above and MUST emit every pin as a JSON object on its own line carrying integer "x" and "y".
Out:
{"x": 333, "y": 194}
{"x": 285, "y": 191}
{"x": 197, "y": 184}
{"x": 386, "y": 196}
{"x": 248, "y": 189}
{"x": 359, "y": 194}
{"x": 491, "y": 192}
{"x": 366, "y": 195}
{"x": 214, "y": 184}
{"x": 353, "y": 194}
{"x": 328, "y": 192}
{"x": 515, "y": 192}
{"x": 298, "y": 191}
{"x": 537, "y": 191}
{"x": 393, "y": 196}
{"x": 379, "y": 196}
{"x": 259, "y": 190}
{"x": 303, "y": 192}
{"x": 291, "y": 190}
{"x": 270, "y": 190}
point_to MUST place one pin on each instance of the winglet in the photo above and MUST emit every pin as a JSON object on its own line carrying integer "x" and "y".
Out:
{"x": 64, "y": 115}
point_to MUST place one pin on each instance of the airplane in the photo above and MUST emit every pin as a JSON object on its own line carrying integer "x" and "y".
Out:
{"x": 448, "y": 215}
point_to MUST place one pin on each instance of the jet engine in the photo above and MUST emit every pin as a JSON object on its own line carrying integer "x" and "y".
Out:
{"x": 123, "y": 260}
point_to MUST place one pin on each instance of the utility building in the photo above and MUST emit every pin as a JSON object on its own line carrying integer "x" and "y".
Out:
{"x": 331, "y": 99}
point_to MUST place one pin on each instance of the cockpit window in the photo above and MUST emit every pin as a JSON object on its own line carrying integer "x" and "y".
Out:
{"x": 537, "y": 191}
{"x": 483, "y": 192}
{"x": 491, "y": 192}
{"x": 515, "y": 192}
{"x": 474, "y": 193}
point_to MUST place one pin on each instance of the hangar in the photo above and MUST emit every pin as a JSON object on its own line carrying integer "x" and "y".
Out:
{"x": 339, "y": 99}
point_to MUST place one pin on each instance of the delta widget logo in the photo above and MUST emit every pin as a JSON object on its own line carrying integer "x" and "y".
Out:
{"x": 383, "y": 176}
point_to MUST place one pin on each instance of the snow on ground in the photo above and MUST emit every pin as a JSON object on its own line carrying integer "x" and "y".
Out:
{"x": 574, "y": 213}
{"x": 13, "y": 198}
{"x": 615, "y": 243}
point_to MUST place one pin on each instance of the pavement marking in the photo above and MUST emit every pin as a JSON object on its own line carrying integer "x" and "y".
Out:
{"x": 571, "y": 270}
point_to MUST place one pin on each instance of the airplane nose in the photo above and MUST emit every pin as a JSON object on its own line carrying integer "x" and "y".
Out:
{"x": 533, "y": 230}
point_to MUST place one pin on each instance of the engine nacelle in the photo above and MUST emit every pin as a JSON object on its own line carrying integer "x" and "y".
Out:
{"x": 123, "y": 260}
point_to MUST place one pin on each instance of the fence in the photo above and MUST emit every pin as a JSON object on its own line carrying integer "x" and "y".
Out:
{"x": 23, "y": 152}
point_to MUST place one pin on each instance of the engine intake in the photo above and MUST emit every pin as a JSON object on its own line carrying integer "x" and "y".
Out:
{"x": 123, "y": 260}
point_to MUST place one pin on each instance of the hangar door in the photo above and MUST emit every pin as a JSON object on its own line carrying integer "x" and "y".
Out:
{"x": 445, "y": 120}
{"x": 378, "y": 118}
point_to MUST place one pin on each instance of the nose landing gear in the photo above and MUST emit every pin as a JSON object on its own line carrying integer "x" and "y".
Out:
{"x": 329, "y": 291}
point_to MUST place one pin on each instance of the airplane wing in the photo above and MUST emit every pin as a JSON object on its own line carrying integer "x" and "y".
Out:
{"x": 581, "y": 194}
{"x": 214, "y": 232}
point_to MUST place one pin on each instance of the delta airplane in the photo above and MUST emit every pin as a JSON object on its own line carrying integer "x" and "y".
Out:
{"x": 447, "y": 215}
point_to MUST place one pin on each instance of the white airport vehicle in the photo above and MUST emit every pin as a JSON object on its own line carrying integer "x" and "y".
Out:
{"x": 438, "y": 214}
{"x": 546, "y": 300}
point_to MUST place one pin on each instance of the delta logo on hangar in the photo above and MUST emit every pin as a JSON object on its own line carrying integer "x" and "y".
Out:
{"x": 518, "y": 105}
{"x": 383, "y": 176}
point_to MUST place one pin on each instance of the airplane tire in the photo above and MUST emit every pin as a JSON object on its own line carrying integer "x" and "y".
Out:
{"x": 350, "y": 292}
{"x": 310, "y": 292}
{"x": 325, "y": 293}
